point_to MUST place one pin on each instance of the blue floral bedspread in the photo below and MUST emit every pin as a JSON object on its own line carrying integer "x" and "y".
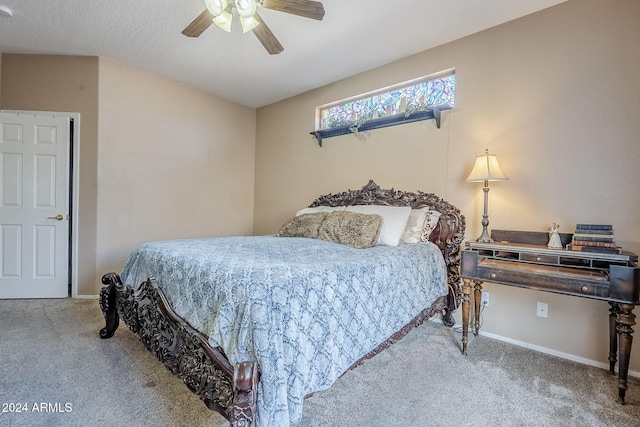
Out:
{"x": 304, "y": 309}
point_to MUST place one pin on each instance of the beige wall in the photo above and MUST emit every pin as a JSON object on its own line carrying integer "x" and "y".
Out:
{"x": 158, "y": 159}
{"x": 174, "y": 163}
{"x": 64, "y": 84}
{"x": 555, "y": 95}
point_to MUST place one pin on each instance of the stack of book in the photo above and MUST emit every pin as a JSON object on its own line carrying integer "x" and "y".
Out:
{"x": 594, "y": 238}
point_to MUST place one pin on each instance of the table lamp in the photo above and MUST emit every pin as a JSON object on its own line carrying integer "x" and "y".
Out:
{"x": 486, "y": 169}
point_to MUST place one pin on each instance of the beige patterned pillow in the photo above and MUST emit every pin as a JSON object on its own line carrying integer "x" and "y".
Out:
{"x": 351, "y": 228}
{"x": 305, "y": 225}
{"x": 394, "y": 219}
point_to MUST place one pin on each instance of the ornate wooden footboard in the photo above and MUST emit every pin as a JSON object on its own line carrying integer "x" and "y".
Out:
{"x": 229, "y": 390}
{"x": 232, "y": 390}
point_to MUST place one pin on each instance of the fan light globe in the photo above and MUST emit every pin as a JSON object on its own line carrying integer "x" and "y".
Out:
{"x": 216, "y": 7}
{"x": 246, "y": 8}
{"x": 224, "y": 21}
{"x": 248, "y": 24}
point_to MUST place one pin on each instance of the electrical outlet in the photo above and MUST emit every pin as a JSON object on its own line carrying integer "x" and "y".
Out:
{"x": 485, "y": 299}
{"x": 543, "y": 310}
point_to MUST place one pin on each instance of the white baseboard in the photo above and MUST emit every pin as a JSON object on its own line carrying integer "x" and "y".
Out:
{"x": 86, "y": 297}
{"x": 545, "y": 350}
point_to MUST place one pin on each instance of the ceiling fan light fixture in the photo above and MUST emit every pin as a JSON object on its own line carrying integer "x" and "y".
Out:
{"x": 221, "y": 13}
{"x": 246, "y": 8}
{"x": 224, "y": 21}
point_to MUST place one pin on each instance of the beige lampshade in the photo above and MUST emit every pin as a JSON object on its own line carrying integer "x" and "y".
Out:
{"x": 487, "y": 169}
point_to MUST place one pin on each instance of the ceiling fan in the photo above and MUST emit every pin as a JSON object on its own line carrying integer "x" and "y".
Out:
{"x": 220, "y": 12}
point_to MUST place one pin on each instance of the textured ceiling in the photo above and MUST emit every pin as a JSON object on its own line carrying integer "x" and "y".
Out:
{"x": 355, "y": 36}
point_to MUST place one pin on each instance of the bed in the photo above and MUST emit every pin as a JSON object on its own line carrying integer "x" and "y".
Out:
{"x": 253, "y": 324}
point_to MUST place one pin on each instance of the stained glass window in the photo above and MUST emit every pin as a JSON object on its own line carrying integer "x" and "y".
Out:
{"x": 415, "y": 95}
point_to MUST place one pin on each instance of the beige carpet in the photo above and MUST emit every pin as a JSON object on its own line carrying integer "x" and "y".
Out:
{"x": 50, "y": 354}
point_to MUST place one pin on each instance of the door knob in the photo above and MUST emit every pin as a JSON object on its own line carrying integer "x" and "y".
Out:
{"x": 58, "y": 217}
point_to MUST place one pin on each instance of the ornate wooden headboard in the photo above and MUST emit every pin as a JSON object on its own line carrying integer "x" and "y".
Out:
{"x": 448, "y": 234}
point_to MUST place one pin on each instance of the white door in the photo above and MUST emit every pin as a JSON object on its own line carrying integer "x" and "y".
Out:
{"x": 34, "y": 205}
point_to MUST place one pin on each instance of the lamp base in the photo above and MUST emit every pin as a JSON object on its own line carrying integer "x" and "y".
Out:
{"x": 484, "y": 237}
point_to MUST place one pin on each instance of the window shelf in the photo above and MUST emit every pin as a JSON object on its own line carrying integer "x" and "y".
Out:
{"x": 382, "y": 122}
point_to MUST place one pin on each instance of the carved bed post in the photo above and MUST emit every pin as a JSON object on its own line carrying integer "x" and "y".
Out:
{"x": 245, "y": 387}
{"x": 108, "y": 305}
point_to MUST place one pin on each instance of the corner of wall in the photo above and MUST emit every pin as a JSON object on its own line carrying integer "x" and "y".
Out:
{"x": 0, "y": 79}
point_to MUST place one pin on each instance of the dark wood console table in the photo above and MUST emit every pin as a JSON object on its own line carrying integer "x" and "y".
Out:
{"x": 522, "y": 259}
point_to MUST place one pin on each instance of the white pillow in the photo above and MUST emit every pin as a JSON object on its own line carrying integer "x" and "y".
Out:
{"x": 394, "y": 221}
{"x": 320, "y": 209}
{"x": 415, "y": 226}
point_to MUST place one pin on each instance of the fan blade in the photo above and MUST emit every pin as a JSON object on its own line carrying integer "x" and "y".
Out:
{"x": 266, "y": 37}
{"x": 198, "y": 25}
{"x": 307, "y": 8}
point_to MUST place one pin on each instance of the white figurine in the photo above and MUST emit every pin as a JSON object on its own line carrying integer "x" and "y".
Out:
{"x": 554, "y": 237}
